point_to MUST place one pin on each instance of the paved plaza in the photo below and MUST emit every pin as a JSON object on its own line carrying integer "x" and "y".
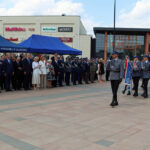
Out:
{"x": 73, "y": 118}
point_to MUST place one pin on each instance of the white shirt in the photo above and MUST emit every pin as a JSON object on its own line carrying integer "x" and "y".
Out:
{"x": 43, "y": 67}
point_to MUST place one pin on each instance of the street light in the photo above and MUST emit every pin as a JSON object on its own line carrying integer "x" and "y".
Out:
{"x": 114, "y": 41}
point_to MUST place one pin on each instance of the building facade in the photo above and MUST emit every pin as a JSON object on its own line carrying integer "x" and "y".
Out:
{"x": 69, "y": 29}
{"x": 127, "y": 41}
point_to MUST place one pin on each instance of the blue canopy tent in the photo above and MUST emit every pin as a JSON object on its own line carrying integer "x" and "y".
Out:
{"x": 7, "y": 46}
{"x": 48, "y": 45}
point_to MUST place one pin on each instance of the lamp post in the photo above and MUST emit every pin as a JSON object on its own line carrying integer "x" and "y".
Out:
{"x": 114, "y": 40}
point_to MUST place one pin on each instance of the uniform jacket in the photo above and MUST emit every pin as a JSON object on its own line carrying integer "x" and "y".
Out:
{"x": 116, "y": 69}
{"x": 136, "y": 70}
{"x": 146, "y": 69}
{"x": 67, "y": 66}
{"x": 92, "y": 67}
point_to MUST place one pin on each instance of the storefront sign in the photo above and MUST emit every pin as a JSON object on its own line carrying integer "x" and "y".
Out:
{"x": 49, "y": 29}
{"x": 13, "y": 39}
{"x": 66, "y": 39}
{"x": 31, "y": 29}
{"x": 15, "y": 29}
{"x": 65, "y": 29}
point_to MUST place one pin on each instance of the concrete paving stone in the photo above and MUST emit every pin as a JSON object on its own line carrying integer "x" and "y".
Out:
{"x": 105, "y": 143}
{"x": 74, "y": 118}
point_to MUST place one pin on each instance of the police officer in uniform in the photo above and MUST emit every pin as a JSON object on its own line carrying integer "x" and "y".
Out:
{"x": 67, "y": 71}
{"x": 74, "y": 68}
{"x": 145, "y": 75}
{"x": 60, "y": 72}
{"x": 136, "y": 74}
{"x": 80, "y": 71}
{"x": 116, "y": 75}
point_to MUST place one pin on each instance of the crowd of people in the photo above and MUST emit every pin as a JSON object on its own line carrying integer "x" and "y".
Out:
{"x": 132, "y": 71}
{"x": 39, "y": 72}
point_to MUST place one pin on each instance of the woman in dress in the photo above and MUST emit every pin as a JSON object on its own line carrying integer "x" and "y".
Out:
{"x": 36, "y": 73}
{"x": 51, "y": 74}
{"x": 43, "y": 70}
{"x": 101, "y": 70}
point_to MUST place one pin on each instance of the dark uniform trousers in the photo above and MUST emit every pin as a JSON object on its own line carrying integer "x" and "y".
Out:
{"x": 145, "y": 84}
{"x": 80, "y": 77}
{"x": 60, "y": 78}
{"x": 26, "y": 82}
{"x": 67, "y": 78}
{"x": 136, "y": 84}
{"x": 74, "y": 77}
{"x": 114, "y": 87}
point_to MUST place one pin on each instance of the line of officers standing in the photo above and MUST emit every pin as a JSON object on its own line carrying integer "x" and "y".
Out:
{"x": 140, "y": 70}
{"x": 16, "y": 72}
{"x": 75, "y": 70}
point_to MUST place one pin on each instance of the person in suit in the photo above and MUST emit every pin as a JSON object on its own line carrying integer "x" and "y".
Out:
{"x": 1, "y": 71}
{"x": 136, "y": 74}
{"x": 67, "y": 71}
{"x": 18, "y": 73}
{"x": 145, "y": 75}
{"x": 56, "y": 68}
{"x": 2, "y": 78}
{"x": 116, "y": 76}
{"x": 27, "y": 69}
{"x": 8, "y": 71}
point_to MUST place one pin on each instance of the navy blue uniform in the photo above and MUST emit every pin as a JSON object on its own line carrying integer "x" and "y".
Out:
{"x": 67, "y": 72}
{"x": 60, "y": 72}
{"x": 74, "y": 71}
{"x": 80, "y": 71}
{"x": 8, "y": 71}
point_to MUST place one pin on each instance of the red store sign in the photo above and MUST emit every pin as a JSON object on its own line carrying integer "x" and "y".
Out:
{"x": 12, "y": 39}
{"x": 15, "y": 29}
{"x": 66, "y": 39}
{"x": 31, "y": 29}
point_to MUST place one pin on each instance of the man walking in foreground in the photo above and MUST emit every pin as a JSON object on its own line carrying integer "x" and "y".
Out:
{"x": 116, "y": 76}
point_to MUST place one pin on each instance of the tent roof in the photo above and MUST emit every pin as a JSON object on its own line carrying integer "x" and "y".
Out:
{"x": 7, "y": 46}
{"x": 46, "y": 44}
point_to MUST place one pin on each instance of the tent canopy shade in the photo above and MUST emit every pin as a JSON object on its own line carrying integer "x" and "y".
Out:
{"x": 7, "y": 46}
{"x": 48, "y": 45}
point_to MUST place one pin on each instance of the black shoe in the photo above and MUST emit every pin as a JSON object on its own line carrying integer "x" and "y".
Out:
{"x": 116, "y": 103}
{"x": 8, "y": 90}
{"x": 135, "y": 94}
{"x": 143, "y": 94}
{"x": 112, "y": 104}
{"x": 129, "y": 93}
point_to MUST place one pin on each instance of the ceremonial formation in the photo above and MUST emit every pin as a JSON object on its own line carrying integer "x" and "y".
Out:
{"x": 135, "y": 71}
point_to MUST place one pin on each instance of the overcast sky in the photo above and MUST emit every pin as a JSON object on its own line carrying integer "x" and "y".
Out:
{"x": 94, "y": 13}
